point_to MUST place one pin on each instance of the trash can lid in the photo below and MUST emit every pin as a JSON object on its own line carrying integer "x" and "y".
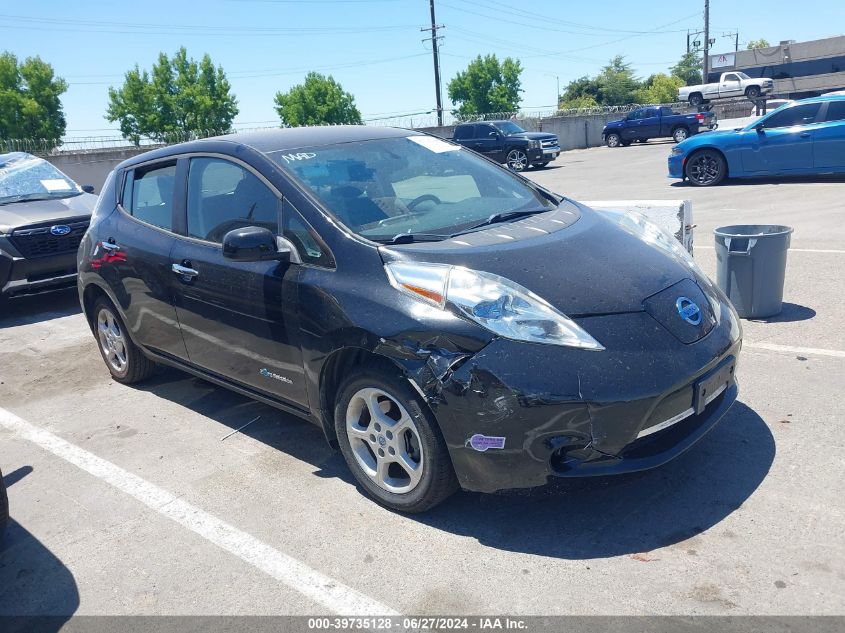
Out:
{"x": 752, "y": 230}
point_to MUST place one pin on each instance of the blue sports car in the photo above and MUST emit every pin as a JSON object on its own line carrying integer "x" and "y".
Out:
{"x": 799, "y": 138}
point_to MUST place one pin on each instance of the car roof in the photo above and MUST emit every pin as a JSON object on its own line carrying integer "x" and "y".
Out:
{"x": 284, "y": 139}
{"x": 821, "y": 99}
{"x": 278, "y": 140}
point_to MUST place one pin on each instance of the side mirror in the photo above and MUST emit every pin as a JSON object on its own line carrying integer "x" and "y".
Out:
{"x": 494, "y": 134}
{"x": 761, "y": 128}
{"x": 88, "y": 188}
{"x": 257, "y": 244}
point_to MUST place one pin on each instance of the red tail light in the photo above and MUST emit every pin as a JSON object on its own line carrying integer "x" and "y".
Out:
{"x": 699, "y": 116}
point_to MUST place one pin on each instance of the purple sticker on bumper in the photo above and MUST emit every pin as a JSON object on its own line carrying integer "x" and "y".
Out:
{"x": 483, "y": 442}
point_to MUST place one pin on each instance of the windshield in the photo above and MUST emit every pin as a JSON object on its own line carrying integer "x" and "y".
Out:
{"x": 508, "y": 129}
{"x": 417, "y": 184}
{"x": 25, "y": 177}
{"x": 743, "y": 76}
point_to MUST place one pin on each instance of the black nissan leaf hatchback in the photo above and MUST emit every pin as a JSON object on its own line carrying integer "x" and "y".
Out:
{"x": 447, "y": 323}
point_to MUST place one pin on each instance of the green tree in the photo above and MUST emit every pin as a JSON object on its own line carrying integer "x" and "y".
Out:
{"x": 580, "y": 93}
{"x": 617, "y": 83}
{"x": 318, "y": 100}
{"x": 179, "y": 96}
{"x": 487, "y": 86}
{"x": 761, "y": 43}
{"x": 30, "y": 99}
{"x": 659, "y": 88}
{"x": 688, "y": 69}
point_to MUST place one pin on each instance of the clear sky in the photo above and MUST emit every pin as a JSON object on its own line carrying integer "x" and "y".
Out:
{"x": 373, "y": 47}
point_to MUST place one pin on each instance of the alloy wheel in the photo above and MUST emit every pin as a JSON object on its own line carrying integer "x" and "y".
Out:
{"x": 517, "y": 160}
{"x": 680, "y": 135}
{"x": 705, "y": 168}
{"x": 613, "y": 140}
{"x": 112, "y": 340}
{"x": 384, "y": 440}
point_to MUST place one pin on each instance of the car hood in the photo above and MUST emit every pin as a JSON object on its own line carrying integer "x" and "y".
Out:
{"x": 19, "y": 214}
{"x": 533, "y": 136}
{"x": 616, "y": 123}
{"x": 577, "y": 259}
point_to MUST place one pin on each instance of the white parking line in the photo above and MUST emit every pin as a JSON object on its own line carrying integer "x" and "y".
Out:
{"x": 808, "y": 351}
{"x": 322, "y": 589}
{"x": 791, "y": 250}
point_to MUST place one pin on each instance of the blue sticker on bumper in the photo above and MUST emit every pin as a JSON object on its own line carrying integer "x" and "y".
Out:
{"x": 483, "y": 442}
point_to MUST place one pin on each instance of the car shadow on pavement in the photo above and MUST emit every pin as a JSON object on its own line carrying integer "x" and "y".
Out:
{"x": 625, "y": 515}
{"x": 278, "y": 430}
{"x": 34, "y": 583}
{"x": 791, "y": 313}
{"x": 572, "y": 519}
{"x": 778, "y": 180}
{"x": 38, "y": 308}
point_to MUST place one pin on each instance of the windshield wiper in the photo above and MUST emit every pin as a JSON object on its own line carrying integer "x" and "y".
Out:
{"x": 410, "y": 238}
{"x": 502, "y": 217}
{"x": 36, "y": 197}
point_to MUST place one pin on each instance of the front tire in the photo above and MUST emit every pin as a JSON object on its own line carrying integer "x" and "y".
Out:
{"x": 613, "y": 140}
{"x": 124, "y": 360}
{"x": 706, "y": 168}
{"x": 391, "y": 442}
{"x": 680, "y": 134}
{"x": 753, "y": 92}
{"x": 517, "y": 160}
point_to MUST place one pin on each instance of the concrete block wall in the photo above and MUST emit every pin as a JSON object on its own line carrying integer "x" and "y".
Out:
{"x": 92, "y": 167}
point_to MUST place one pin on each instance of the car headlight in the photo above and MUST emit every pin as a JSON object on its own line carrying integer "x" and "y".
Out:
{"x": 533, "y": 144}
{"x": 493, "y": 302}
{"x": 676, "y": 151}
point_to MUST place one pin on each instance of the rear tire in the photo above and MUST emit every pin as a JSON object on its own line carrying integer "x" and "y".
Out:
{"x": 706, "y": 168}
{"x": 680, "y": 134}
{"x": 695, "y": 99}
{"x": 124, "y": 360}
{"x": 391, "y": 442}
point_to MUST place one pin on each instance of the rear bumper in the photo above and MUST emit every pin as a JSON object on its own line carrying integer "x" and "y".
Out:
{"x": 23, "y": 276}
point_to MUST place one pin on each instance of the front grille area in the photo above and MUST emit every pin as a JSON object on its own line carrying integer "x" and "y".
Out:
{"x": 39, "y": 241}
{"x": 551, "y": 142}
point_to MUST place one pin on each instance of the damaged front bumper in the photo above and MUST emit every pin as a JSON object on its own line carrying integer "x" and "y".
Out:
{"x": 515, "y": 414}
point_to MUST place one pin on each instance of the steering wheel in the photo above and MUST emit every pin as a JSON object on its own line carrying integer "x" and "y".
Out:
{"x": 426, "y": 197}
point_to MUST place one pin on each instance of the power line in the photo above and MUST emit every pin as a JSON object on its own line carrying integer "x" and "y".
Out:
{"x": 277, "y": 72}
{"x": 171, "y": 29}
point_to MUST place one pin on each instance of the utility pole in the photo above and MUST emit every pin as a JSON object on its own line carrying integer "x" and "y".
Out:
{"x": 434, "y": 49}
{"x": 706, "y": 39}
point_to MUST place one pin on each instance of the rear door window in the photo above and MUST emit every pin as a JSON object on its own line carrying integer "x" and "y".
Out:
{"x": 148, "y": 194}
{"x": 835, "y": 111}
{"x": 464, "y": 132}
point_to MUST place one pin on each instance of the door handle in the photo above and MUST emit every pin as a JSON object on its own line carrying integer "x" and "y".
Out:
{"x": 111, "y": 247}
{"x": 185, "y": 272}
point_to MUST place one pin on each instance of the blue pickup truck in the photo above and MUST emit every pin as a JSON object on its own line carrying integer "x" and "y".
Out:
{"x": 656, "y": 122}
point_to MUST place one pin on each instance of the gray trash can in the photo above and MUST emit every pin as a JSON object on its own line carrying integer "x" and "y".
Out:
{"x": 751, "y": 267}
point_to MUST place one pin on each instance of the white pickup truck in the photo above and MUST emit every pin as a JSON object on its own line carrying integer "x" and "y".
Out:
{"x": 731, "y": 84}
